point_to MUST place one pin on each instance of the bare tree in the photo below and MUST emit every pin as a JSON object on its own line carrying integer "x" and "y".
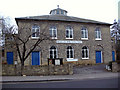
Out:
{"x": 22, "y": 41}
{"x": 115, "y": 33}
{"x": 5, "y": 26}
{"x": 115, "y": 30}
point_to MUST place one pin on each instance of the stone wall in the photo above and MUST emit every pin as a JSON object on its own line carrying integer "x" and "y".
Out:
{"x": 115, "y": 67}
{"x": 8, "y": 70}
{"x": 36, "y": 70}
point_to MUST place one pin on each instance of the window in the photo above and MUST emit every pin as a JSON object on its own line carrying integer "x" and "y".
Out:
{"x": 85, "y": 52}
{"x": 61, "y": 11}
{"x": 9, "y": 38}
{"x": 84, "y": 33}
{"x": 97, "y": 34}
{"x": 35, "y": 31}
{"x": 57, "y": 11}
{"x": 53, "y": 52}
{"x": 69, "y": 33}
{"x": 53, "y": 32}
{"x": 70, "y": 52}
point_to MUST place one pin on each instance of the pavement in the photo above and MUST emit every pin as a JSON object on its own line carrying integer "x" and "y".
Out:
{"x": 80, "y": 73}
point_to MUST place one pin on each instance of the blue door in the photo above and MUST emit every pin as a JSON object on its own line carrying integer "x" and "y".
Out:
{"x": 98, "y": 57}
{"x": 113, "y": 55}
{"x": 35, "y": 58}
{"x": 9, "y": 57}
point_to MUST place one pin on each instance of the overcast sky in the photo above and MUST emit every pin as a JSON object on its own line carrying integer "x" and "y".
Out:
{"x": 100, "y": 10}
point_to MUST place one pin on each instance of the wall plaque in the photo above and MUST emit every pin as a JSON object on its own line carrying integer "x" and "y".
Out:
{"x": 67, "y": 41}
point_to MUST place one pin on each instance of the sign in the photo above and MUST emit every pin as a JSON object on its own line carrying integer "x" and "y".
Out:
{"x": 57, "y": 62}
{"x": 67, "y": 41}
{"x": 15, "y": 62}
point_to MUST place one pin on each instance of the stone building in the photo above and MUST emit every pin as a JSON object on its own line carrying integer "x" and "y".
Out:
{"x": 74, "y": 39}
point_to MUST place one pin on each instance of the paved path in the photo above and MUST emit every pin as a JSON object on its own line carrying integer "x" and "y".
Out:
{"x": 90, "y": 69}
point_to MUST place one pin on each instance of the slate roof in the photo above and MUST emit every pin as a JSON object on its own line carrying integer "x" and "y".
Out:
{"x": 61, "y": 18}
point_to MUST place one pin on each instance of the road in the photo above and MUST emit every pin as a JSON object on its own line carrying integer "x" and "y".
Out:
{"x": 86, "y": 83}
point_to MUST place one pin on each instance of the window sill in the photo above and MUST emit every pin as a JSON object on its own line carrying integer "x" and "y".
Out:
{"x": 71, "y": 59}
{"x": 53, "y": 37}
{"x": 69, "y": 38}
{"x": 85, "y": 58}
{"x": 35, "y": 37}
{"x": 98, "y": 39}
{"x": 84, "y": 38}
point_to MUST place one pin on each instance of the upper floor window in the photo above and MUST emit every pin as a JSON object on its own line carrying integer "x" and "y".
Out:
{"x": 53, "y": 52}
{"x": 85, "y": 52}
{"x": 35, "y": 31}
{"x": 53, "y": 32}
{"x": 84, "y": 33}
{"x": 70, "y": 52}
{"x": 97, "y": 33}
{"x": 69, "y": 32}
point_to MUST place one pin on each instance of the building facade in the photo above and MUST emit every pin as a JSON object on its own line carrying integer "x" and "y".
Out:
{"x": 73, "y": 39}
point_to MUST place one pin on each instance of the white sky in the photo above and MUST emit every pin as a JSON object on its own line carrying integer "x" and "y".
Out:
{"x": 100, "y": 10}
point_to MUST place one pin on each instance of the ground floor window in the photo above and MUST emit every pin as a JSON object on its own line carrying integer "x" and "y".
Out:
{"x": 85, "y": 52}
{"x": 53, "y": 52}
{"x": 70, "y": 52}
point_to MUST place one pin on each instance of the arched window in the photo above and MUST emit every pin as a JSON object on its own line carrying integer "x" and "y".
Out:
{"x": 35, "y": 31}
{"x": 53, "y": 32}
{"x": 84, "y": 33}
{"x": 69, "y": 32}
{"x": 53, "y": 52}
{"x": 97, "y": 33}
{"x": 70, "y": 52}
{"x": 85, "y": 52}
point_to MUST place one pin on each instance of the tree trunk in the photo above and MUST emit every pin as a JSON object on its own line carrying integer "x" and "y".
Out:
{"x": 22, "y": 67}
